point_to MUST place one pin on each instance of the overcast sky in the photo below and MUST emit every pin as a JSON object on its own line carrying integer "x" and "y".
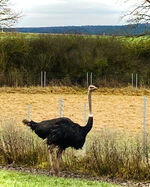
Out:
{"x": 40, "y": 13}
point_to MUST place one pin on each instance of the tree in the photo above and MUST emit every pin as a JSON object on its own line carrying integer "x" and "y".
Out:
{"x": 139, "y": 12}
{"x": 7, "y": 16}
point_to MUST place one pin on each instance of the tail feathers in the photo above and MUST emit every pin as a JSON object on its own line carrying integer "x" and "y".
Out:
{"x": 26, "y": 122}
{"x": 31, "y": 124}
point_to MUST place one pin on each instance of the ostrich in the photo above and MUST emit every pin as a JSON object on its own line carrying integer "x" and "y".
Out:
{"x": 62, "y": 132}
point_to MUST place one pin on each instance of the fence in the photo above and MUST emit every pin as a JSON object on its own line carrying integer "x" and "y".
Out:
{"x": 85, "y": 121}
{"x": 127, "y": 113}
{"x": 45, "y": 78}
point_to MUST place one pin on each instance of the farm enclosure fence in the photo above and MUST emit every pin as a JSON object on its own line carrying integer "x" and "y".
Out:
{"x": 45, "y": 78}
{"x": 111, "y": 112}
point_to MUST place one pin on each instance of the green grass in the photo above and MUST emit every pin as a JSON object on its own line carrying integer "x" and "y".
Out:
{"x": 18, "y": 179}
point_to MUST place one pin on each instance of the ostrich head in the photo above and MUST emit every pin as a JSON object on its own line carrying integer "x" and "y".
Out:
{"x": 92, "y": 88}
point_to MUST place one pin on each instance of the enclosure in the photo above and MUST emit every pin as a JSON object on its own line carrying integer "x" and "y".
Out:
{"x": 114, "y": 147}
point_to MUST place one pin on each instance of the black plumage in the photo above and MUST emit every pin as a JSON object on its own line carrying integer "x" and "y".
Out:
{"x": 63, "y": 132}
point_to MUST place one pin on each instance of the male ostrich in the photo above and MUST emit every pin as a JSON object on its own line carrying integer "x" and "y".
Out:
{"x": 62, "y": 132}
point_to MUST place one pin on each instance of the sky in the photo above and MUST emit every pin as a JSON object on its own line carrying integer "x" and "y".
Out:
{"x": 44, "y": 13}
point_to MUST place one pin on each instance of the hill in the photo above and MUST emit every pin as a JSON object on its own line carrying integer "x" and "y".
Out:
{"x": 125, "y": 30}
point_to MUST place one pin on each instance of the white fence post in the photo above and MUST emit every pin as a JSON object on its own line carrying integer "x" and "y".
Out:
{"x": 87, "y": 79}
{"x": 29, "y": 116}
{"x": 136, "y": 80}
{"x": 29, "y": 111}
{"x": 41, "y": 78}
{"x": 132, "y": 80}
{"x": 144, "y": 131}
{"x": 44, "y": 78}
{"x": 84, "y": 114}
{"x": 61, "y": 108}
{"x": 91, "y": 77}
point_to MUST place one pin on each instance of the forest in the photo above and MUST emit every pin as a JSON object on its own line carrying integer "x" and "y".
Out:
{"x": 67, "y": 59}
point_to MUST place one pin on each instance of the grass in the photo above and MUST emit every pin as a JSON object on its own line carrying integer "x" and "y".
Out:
{"x": 17, "y": 179}
{"x": 5, "y": 35}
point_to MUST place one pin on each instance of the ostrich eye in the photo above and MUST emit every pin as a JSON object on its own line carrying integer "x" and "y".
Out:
{"x": 91, "y": 87}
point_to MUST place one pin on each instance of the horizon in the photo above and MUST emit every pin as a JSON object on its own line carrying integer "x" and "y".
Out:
{"x": 80, "y": 26}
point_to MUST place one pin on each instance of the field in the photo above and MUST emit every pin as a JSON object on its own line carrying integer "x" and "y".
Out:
{"x": 120, "y": 111}
{"x": 115, "y": 151}
{"x": 14, "y": 179}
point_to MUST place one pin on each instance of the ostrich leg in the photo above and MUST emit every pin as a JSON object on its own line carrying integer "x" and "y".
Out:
{"x": 51, "y": 150}
{"x": 59, "y": 158}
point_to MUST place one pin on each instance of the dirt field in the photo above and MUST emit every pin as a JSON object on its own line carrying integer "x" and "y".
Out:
{"x": 117, "y": 112}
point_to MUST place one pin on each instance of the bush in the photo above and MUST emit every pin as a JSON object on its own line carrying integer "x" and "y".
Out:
{"x": 107, "y": 153}
{"x": 19, "y": 146}
{"x": 67, "y": 59}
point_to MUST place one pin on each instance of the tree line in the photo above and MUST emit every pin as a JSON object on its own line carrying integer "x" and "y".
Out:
{"x": 121, "y": 30}
{"x": 67, "y": 58}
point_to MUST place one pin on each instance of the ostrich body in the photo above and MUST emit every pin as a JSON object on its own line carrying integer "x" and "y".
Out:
{"x": 62, "y": 132}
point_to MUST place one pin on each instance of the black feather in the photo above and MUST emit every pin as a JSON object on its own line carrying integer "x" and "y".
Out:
{"x": 61, "y": 132}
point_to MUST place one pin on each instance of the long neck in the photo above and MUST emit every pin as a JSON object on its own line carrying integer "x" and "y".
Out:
{"x": 89, "y": 124}
{"x": 90, "y": 103}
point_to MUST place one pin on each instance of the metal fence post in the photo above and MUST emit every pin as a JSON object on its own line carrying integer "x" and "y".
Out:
{"x": 61, "y": 108}
{"x": 87, "y": 79}
{"x": 132, "y": 80}
{"x": 84, "y": 121}
{"x": 29, "y": 111}
{"x": 91, "y": 77}
{"x": 136, "y": 80}
{"x": 144, "y": 130}
{"x": 44, "y": 78}
{"x": 29, "y": 117}
{"x": 84, "y": 114}
{"x": 41, "y": 78}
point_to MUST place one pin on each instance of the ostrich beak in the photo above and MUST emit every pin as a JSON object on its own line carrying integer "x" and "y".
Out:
{"x": 95, "y": 88}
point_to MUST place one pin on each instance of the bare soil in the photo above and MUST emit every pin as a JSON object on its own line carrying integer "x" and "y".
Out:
{"x": 120, "y": 112}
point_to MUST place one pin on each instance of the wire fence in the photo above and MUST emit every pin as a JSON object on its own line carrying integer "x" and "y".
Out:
{"x": 128, "y": 113}
{"x": 44, "y": 78}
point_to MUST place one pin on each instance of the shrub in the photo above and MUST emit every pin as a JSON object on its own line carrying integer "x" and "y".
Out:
{"x": 19, "y": 146}
{"x": 67, "y": 59}
{"x": 106, "y": 153}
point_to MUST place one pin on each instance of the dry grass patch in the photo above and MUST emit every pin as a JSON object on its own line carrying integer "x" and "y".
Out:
{"x": 107, "y": 153}
{"x": 114, "y": 111}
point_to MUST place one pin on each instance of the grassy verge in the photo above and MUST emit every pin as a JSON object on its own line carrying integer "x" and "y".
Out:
{"x": 17, "y": 179}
